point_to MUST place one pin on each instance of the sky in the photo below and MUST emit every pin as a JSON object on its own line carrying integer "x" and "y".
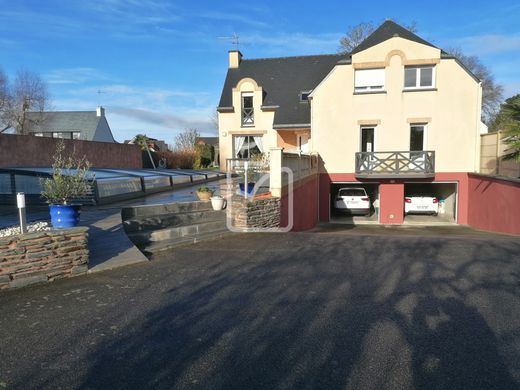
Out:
{"x": 158, "y": 67}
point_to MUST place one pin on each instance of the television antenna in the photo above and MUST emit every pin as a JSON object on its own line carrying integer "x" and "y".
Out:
{"x": 99, "y": 92}
{"x": 235, "y": 39}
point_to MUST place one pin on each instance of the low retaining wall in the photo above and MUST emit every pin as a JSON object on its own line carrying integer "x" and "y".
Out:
{"x": 256, "y": 213}
{"x": 31, "y": 151}
{"x": 42, "y": 257}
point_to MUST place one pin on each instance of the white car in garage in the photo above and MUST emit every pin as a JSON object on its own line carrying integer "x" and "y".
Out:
{"x": 419, "y": 204}
{"x": 353, "y": 201}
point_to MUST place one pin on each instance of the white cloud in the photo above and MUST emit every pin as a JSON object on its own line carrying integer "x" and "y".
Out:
{"x": 489, "y": 44}
{"x": 158, "y": 112}
{"x": 78, "y": 75}
{"x": 232, "y": 17}
{"x": 294, "y": 43}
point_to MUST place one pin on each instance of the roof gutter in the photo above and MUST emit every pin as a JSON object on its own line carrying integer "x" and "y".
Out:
{"x": 291, "y": 126}
{"x": 225, "y": 109}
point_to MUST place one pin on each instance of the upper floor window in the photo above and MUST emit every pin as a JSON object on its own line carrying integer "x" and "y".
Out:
{"x": 419, "y": 77}
{"x": 248, "y": 118}
{"x": 369, "y": 80}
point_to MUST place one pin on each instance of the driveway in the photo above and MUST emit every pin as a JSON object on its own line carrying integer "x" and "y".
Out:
{"x": 366, "y": 308}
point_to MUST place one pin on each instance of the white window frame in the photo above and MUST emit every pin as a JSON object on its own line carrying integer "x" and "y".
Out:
{"x": 425, "y": 134}
{"x": 418, "y": 77}
{"x": 369, "y": 88}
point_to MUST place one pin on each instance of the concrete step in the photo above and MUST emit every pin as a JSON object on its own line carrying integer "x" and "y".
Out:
{"x": 137, "y": 212}
{"x": 145, "y": 237}
{"x": 172, "y": 220}
{"x": 156, "y": 247}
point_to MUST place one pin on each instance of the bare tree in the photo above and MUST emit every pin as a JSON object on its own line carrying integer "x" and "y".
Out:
{"x": 187, "y": 139}
{"x": 27, "y": 93}
{"x": 492, "y": 92}
{"x": 4, "y": 101}
{"x": 358, "y": 33}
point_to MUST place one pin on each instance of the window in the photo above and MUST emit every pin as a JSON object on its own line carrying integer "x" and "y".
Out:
{"x": 38, "y": 134}
{"x": 76, "y": 135}
{"x": 248, "y": 118}
{"x": 419, "y": 77}
{"x": 304, "y": 96}
{"x": 248, "y": 145}
{"x": 302, "y": 141}
{"x": 368, "y": 80}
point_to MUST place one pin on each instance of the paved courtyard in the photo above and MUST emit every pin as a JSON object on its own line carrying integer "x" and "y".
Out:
{"x": 339, "y": 308}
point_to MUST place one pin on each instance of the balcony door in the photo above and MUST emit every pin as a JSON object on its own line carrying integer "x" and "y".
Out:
{"x": 368, "y": 139}
{"x": 417, "y": 144}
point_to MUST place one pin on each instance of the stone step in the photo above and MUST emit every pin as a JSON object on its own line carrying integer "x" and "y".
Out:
{"x": 156, "y": 247}
{"x": 162, "y": 209}
{"x": 146, "y": 237}
{"x": 172, "y": 220}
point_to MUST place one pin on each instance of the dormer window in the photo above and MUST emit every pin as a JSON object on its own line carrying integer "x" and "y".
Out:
{"x": 369, "y": 80}
{"x": 248, "y": 118}
{"x": 304, "y": 96}
{"x": 418, "y": 77}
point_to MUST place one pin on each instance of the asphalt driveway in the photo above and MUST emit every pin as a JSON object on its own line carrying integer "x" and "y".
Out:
{"x": 367, "y": 308}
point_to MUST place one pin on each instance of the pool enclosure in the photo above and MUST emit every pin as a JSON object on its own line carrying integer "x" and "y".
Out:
{"x": 108, "y": 185}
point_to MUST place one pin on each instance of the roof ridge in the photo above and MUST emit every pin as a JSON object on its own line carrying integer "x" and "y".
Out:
{"x": 301, "y": 56}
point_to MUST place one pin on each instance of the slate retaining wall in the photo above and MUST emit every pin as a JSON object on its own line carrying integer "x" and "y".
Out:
{"x": 43, "y": 257}
{"x": 256, "y": 213}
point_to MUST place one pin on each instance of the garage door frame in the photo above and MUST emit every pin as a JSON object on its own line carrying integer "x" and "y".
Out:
{"x": 356, "y": 183}
{"x": 443, "y": 182}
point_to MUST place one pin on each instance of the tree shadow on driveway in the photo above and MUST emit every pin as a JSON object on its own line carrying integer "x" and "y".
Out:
{"x": 324, "y": 311}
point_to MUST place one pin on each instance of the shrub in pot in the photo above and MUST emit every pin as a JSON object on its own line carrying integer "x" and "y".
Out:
{"x": 204, "y": 193}
{"x": 69, "y": 182}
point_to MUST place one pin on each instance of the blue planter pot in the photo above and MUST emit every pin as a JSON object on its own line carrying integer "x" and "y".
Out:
{"x": 64, "y": 215}
{"x": 250, "y": 187}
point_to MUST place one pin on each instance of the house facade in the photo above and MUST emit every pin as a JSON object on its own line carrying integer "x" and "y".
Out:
{"x": 397, "y": 116}
{"x": 82, "y": 125}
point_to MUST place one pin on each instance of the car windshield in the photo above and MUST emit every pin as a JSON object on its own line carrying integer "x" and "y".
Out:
{"x": 352, "y": 192}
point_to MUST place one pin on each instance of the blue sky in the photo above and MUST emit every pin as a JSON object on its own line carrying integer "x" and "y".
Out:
{"x": 161, "y": 64}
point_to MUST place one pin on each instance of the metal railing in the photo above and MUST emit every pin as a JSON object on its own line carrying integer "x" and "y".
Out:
{"x": 248, "y": 116}
{"x": 395, "y": 164}
{"x": 236, "y": 165}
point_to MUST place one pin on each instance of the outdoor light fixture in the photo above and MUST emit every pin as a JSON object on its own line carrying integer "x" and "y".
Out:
{"x": 20, "y": 203}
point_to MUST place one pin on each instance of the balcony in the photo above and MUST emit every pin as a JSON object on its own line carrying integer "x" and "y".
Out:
{"x": 248, "y": 117}
{"x": 395, "y": 165}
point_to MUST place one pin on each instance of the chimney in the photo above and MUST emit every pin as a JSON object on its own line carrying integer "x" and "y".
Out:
{"x": 234, "y": 59}
{"x": 100, "y": 111}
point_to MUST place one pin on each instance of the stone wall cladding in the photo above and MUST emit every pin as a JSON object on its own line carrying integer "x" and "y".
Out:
{"x": 43, "y": 257}
{"x": 256, "y": 213}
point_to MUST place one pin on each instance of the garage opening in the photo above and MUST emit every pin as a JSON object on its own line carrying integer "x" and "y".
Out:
{"x": 354, "y": 203}
{"x": 430, "y": 203}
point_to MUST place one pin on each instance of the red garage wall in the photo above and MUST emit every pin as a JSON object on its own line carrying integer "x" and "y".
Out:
{"x": 494, "y": 204}
{"x": 30, "y": 151}
{"x": 305, "y": 205}
{"x": 391, "y": 203}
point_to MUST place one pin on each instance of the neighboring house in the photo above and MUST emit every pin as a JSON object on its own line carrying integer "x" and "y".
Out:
{"x": 395, "y": 92}
{"x": 213, "y": 141}
{"x": 154, "y": 145}
{"x": 83, "y": 125}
